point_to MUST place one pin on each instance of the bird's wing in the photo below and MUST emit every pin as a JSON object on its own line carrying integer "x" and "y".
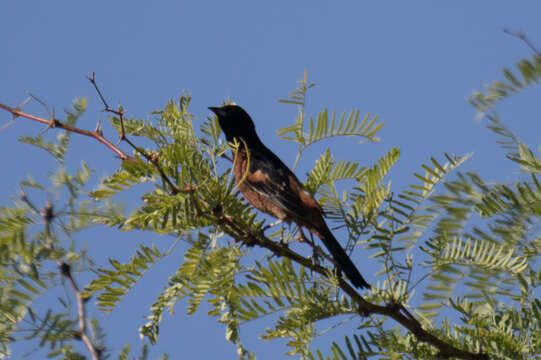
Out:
{"x": 270, "y": 177}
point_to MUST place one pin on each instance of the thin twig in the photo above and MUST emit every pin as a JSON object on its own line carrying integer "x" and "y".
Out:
{"x": 82, "y": 331}
{"x": 149, "y": 157}
{"x": 58, "y": 124}
{"x": 520, "y": 35}
{"x": 92, "y": 79}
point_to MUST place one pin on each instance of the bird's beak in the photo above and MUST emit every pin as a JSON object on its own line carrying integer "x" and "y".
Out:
{"x": 217, "y": 110}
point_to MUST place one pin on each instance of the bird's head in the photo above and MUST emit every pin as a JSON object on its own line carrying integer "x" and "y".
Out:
{"x": 235, "y": 123}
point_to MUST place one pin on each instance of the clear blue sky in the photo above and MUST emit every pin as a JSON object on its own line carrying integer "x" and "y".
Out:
{"x": 413, "y": 63}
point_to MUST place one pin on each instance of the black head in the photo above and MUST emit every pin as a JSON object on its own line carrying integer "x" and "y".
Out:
{"x": 236, "y": 123}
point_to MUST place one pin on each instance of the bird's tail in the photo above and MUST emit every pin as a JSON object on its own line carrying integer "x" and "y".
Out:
{"x": 342, "y": 259}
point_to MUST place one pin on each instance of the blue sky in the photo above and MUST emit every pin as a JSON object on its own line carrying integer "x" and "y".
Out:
{"x": 413, "y": 63}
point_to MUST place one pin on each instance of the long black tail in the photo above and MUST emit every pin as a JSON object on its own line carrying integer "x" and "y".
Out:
{"x": 343, "y": 260}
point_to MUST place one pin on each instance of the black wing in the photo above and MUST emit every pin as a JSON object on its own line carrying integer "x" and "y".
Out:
{"x": 276, "y": 184}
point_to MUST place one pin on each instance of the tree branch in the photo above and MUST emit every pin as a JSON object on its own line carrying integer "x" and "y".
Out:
{"x": 395, "y": 311}
{"x": 65, "y": 270}
{"x": 153, "y": 158}
{"x": 241, "y": 233}
{"x": 48, "y": 216}
{"x": 54, "y": 123}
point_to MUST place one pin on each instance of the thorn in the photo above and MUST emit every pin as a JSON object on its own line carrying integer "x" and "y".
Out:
{"x": 52, "y": 123}
{"x": 9, "y": 123}
{"x": 18, "y": 107}
{"x": 98, "y": 129}
{"x": 302, "y": 238}
{"x": 92, "y": 78}
{"x": 122, "y": 135}
{"x": 15, "y": 116}
{"x": 41, "y": 102}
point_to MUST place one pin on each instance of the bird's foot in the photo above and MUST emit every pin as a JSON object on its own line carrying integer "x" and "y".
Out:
{"x": 277, "y": 222}
{"x": 302, "y": 238}
{"x": 283, "y": 241}
{"x": 265, "y": 228}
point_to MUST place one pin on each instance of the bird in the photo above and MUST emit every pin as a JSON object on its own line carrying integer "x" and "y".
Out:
{"x": 270, "y": 186}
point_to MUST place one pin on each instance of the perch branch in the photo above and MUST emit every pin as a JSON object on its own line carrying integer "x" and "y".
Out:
{"x": 395, "y": 311}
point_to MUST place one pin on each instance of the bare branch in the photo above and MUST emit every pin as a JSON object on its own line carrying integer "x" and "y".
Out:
{"x": 149, "y": 157}
{"x": 52, "y": 122}
{"x": 92, "y": 79}
{"x": 48, "y": 216}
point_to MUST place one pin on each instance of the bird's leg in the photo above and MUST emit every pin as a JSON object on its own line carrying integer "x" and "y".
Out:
{"x": 297, "y": 234}
{"x": 302, "y": 238}
{"x": 315, "y": 249}
{"x": 265, "y": 228}
{"x": 283, "y": 240}
{"x": 277, "y": 222}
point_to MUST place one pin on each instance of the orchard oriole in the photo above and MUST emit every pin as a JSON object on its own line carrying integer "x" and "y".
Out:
{"x": 270, "y": 186}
